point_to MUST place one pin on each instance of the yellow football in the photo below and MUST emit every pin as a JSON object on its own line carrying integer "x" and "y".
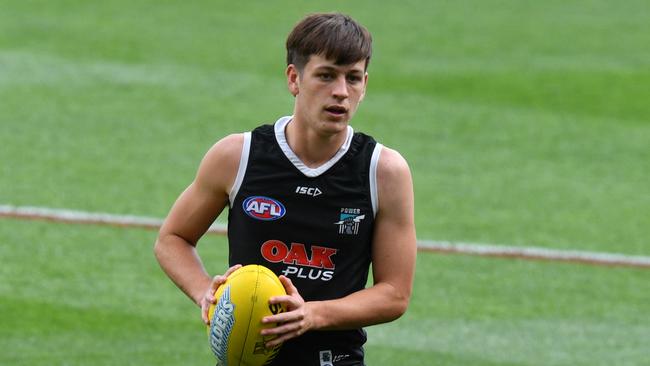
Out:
{"x": 236, "y": 318}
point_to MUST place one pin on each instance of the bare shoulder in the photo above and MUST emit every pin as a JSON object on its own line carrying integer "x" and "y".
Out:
{"x": 392, "y": 166}
{"x": 394, "y": 185}
{"x": 219, "y": 166}
{"x": 226, "y": 149}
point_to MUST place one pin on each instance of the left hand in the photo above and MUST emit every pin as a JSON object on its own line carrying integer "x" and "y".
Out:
{"x": 208, "y": 298}
{"x": 294, "y": 322}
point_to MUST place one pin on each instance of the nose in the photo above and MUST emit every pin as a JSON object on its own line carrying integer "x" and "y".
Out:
{"x": 340, "y": 88}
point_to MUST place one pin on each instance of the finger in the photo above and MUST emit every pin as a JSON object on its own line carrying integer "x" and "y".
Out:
{"x": 281, "y": 323}
{"x": 220, "y": 280}
{"x": 291, "y": 325}
{"x": 232, "y": 269}
{"x": 217, "y": 281}
{"x": 282, "y": 338}
{"x": 210, "y": 297}
{"x": 282, "y": 318}
{"x": 289, "y": 303}
{"x": 288, "y": 285}
{"x": 286, "y": 299}
{"x": 204, "y": 313}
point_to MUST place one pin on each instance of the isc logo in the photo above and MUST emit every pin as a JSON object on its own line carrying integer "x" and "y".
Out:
{"x": 309, "y": 191}
{"x": 263, "y": 208}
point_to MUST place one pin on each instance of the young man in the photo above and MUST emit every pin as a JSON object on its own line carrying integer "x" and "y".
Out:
{"x": 310, "y": 199}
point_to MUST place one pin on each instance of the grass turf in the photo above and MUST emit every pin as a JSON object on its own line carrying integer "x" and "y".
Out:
{"x": 524, "y": 123}
{"x": 74, "y": 295}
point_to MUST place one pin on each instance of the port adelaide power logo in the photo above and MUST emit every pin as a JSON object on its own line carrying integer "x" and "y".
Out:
{"x": 350, "y": 219}
{"x": 263, "y": 208}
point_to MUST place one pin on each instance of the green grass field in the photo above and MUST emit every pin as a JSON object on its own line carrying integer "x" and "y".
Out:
{"x": 525, "y": 123}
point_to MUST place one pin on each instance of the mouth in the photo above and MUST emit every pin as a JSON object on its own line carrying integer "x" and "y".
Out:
{"x": 337, "y": 110}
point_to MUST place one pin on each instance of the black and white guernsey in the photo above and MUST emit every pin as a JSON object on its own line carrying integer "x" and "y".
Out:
{"x": 313, "y": 225}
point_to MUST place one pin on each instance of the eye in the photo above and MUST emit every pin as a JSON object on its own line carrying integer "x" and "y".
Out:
{"x": 354, "y": 78}
{"x": 326, "y": 76}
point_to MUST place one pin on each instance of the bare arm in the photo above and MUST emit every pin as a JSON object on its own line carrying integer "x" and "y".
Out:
{"x": 191, "y": 216}
{"x": 393, "y": 256}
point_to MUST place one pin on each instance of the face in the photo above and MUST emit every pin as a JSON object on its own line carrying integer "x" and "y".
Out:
{"x": 327, "y": 95}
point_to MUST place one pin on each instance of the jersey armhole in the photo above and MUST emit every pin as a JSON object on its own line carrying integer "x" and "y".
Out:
{"x": 374, "y": 160}
{"x": 241, "y": 171}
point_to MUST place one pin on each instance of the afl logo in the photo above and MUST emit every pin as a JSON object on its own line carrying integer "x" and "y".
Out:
{"x": 263, "y": 208}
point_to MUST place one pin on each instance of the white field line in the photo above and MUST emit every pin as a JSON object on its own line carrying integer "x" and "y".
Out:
{"x": 488, "y": 250}
{"x": 82, "y": 217}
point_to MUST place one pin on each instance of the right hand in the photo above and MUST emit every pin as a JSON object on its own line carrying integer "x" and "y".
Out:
{"x": 209, "y": 299}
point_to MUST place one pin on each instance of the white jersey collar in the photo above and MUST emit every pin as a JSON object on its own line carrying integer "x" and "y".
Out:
{"x": 280, "y": 126}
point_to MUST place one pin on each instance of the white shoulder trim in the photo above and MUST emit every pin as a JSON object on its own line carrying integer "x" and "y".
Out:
{"x": 374, "y": 161}
{"x": 280, "y": 136}
{"x": 241, "y": 171}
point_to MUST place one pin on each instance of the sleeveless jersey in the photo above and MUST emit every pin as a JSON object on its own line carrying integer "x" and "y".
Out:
{"x": 314, "y": 226}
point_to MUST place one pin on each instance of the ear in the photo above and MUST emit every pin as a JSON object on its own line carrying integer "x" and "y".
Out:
{"x": 293, "y": 78}
{"x": 365, "y": 84}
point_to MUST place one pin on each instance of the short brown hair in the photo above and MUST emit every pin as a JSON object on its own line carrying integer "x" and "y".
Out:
{"x": 334, "y": 35}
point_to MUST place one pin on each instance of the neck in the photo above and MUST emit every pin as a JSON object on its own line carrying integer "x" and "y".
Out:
{"x": 313, "y": 148}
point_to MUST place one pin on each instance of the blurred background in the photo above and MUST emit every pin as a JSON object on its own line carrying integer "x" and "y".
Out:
{"x": 525, "y": 123}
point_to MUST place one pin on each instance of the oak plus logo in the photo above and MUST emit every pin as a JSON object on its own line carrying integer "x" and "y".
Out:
{"x": 308, "y": 262}
{"x": 263, "y": 208}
